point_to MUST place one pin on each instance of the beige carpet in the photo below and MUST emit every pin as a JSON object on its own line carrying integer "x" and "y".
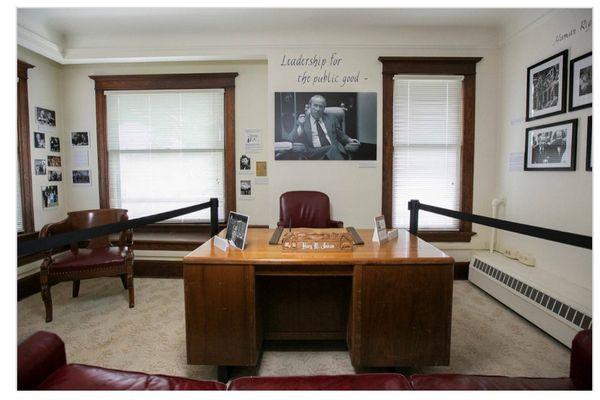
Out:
{"x": 99, "y": 329}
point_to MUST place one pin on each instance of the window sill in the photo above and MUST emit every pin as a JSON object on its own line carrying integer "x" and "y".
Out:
{"x": 446, "y": 236}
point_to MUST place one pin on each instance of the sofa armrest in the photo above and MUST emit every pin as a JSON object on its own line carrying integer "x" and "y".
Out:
{"x": 581, "y": 360}
{"x": 37, "y": 357}
{"x": 335, "y": 224}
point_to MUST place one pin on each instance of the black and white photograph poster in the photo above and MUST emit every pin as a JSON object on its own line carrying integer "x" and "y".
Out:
{"x": 80, "y": 139}
{"x": 46, "y": 119}
{"x": 39, "y": 140}
{"x": 50, "y": 196}
{"x": 81, "y": 177}
{"x": 245, "y": 189}
{"x": 547, "y": 87}
{"x": 551, "y": 147}
{"x": 245, "y": 164}
{"x": 580, "y": 80}
{"x": 54, "y": 144}
{"x": 588, "y": 148}
{"x": 54, "y": 176}
{"x": 40, "y": 167}
{"x": 325, "y": 126}
{"x": 54, "y": 161}
{"x": 237, "y": 227}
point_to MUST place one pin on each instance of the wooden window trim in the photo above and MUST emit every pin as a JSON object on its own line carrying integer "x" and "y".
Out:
{"x": 224, "y": 81}
{"x": 23, "y": 148}
{"x": 465, "y": 66}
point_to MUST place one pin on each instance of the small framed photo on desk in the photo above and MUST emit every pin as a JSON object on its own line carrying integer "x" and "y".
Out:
{"x": 237, "y": 227}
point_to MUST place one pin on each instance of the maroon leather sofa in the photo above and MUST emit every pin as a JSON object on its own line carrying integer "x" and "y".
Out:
{"x": 42, "y": 365}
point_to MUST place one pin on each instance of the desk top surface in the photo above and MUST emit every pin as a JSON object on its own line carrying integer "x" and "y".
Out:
{"x": 405, "y": 249}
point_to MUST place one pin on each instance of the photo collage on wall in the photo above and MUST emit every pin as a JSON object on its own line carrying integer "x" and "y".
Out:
{"x": 47, "y": 158}
{"x": 553, "y": 147}
{"x": 80, "y": 158}
{"x": 249, "y": 167}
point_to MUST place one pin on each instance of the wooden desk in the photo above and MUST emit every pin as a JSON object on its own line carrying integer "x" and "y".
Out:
{"x": 392, "y": 303}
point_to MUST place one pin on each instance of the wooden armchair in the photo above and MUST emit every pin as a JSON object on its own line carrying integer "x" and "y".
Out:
{"x": 98, "y": 259}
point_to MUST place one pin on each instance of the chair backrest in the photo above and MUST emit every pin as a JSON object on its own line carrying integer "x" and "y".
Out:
{"x": 91, "y": 218}
{"x": 339, "y": 113}
{"x": 305, "y": 209}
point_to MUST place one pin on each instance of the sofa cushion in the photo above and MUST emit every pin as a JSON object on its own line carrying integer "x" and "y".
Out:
{"x": 323, "y": 382}
{"x": 84, "y": 258}
{"x": 482, "y": 382}
{"x": 85, "y": 377}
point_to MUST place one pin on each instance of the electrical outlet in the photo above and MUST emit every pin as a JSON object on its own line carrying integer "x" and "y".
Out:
{"x": 511, "y": 253}
{"x": 526, "y": 259}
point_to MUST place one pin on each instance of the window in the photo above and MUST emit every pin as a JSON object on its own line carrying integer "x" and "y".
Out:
{"x": 165, "y": 151}
{"x": 166, "y": 142}
{"x": 428, "y": 136}
{"x": 24, "y": 203}
{"x": 427, "y": 140}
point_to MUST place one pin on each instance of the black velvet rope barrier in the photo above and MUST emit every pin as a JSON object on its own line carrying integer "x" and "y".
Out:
{"x": 572, "y": 239}
{"x": 49, "y": 242}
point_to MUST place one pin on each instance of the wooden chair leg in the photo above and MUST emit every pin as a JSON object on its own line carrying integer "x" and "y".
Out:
{"x": 46, "y": 296}
{"x": 76, "y": 288}
{"x": 130, "y": 284}
{"x": 124, "y": 280}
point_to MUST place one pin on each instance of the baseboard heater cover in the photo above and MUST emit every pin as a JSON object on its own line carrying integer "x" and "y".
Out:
{"x": 555, "y": 306}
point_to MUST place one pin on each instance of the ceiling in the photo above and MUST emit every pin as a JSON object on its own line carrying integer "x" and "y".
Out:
{"x": 67, "y": 28}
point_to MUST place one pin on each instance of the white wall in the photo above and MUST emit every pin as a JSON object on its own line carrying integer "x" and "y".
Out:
{"x": 250, "y": 112}
{"x": 559, "y": 200}
{"x": 45, "y": 90}
{"x": 355, "y": 192}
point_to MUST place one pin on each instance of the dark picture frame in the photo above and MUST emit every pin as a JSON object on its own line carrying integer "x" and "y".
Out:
{"x": 547, "y": 87}
{"x": 237, "y": 227}
{"x": 551, "y": 147}
{"x": 588, "y": 148}
{"x": 580, "y": 92}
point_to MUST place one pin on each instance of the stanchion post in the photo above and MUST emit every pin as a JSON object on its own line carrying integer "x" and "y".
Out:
{"x": 214, "y": 216}
{"x": 413, "y": 206}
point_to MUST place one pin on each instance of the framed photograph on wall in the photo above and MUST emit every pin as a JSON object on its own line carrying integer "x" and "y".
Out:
{"x": 333, "y": 126}
{"x": 49, "y": 196}
{"x": 588, "y": 148}
{"x": 580, "y": 82}
{"x": 551, "y": 147}
{"x": 547, "y": 87}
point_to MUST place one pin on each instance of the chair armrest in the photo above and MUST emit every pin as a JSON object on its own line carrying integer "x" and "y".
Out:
{"x": 581, "y": 360}
{"x": 126, "y": 238}
{"x": 37, "y": 357}
{"x": 335, "y": 224}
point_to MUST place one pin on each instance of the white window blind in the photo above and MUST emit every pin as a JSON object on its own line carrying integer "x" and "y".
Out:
{"x": 20, "y": 227}
{"x": 166, "y": 151}
{"x": 427, "y": 118}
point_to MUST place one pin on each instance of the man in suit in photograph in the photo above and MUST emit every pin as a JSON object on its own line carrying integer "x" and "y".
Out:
{"x": 322, "y": 135}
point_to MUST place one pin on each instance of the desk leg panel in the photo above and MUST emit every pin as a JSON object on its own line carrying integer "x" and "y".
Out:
{"x": 401, "y": 315}
{"x": 220, "y": 315}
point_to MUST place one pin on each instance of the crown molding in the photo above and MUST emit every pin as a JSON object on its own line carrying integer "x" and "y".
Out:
{"x": 507, "y": 38}
{"x": 40, "y": 45}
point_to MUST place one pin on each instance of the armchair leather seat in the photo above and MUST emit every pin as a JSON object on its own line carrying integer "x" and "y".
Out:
{"x": 481, "y": 382}
{"x": 83, "y": 258}
{"x": 85, "y": 377}
{"x": 305, "y": 209}
{"x": 382, "y": 381}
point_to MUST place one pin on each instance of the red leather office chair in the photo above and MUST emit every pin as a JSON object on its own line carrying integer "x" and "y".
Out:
{"x": 97, "y": 260}
{"x": 305, "y": 209}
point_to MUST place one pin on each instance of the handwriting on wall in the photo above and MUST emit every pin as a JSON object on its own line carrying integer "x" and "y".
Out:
{"x": 321, "y": 70}
{"x": 584, "y": 26}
